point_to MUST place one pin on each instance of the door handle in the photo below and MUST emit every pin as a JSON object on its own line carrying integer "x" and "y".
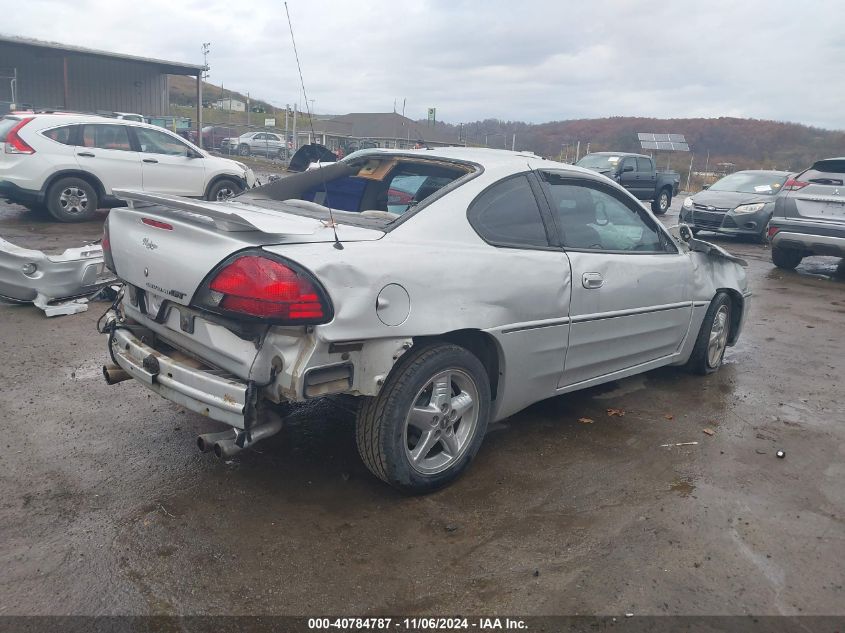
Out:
{"x": 86, "y": 154}
{"x": 592, "y": 281}
{"x": 150, "y": 160}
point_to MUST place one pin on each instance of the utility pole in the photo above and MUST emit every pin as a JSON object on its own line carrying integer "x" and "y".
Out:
{"x": 248, "y": 113}
{"x": 513, "y": 144}
{"x": 287, "y": 112}
{"x": 206, "y": 46}
{"x": 578, "y": 151}
{"x": 295, "y": 139}
{"x": 689, "y": 175}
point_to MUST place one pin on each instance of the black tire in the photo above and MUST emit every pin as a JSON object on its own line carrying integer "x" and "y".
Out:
{"x": 72, "y": 199}
{"x": 243, "y": 150}
{"x": 786, "y": 258}
{"x": 700, "y": 361}
{"x": 382, "y": 420}
{"x": 662, "y": 202}
{"x": 224, "y": 189}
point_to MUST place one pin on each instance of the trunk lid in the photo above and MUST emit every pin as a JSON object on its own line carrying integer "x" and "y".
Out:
{"x": 166, "y": 245}
{"x": 823, "y": 198}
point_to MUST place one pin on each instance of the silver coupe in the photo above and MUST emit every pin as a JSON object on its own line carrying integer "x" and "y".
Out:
{"x": 445, "y": 289}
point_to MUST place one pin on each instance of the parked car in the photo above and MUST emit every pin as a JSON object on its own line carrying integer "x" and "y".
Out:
{"x": 72, "y": 163}
{"x": 263, "y": 143}
{"x": 508, "y": 280}
{"x": 809, "y": 215}
{"x": 638, "y": 175}
{"x": 212, "y": 135}
{"x": 738, "y": 204}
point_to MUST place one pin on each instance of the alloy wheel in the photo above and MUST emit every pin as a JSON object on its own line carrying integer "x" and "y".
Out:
{"x": 441, "y": 423}
{"x": 718, "y": 337}
{"x": 224, "y": 194}
{"x": 73, "y": 200}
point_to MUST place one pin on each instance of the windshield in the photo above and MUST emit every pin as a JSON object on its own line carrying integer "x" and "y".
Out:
{"x": 599, "y": 161}
{"x": 762, "y": 182}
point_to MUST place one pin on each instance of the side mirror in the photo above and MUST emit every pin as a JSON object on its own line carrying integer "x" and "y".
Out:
{"x": 193, "y": 154}
{"x": 628, "y": 168}
{"x": 705, "y": 187}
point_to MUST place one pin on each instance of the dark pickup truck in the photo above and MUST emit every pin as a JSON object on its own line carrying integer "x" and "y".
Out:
{"x": 637, "y": 174}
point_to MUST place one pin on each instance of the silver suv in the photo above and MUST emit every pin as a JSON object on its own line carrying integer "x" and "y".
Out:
{"x": 263, "y": 143}
{"x": 809, "y": 215}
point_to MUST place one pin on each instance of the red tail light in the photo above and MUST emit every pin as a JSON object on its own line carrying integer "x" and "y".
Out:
{"x": 794, "y": 185}
{"x": 106, "y": 246}
{"x": 772, "y": 231}
{"x": 14, "y": 143}
{"x": 261, "y": 287}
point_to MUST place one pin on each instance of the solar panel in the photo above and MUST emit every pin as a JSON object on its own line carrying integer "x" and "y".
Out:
{"x": 666, "y": 142}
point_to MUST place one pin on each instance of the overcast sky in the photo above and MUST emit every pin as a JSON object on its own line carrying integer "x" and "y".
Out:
{"x": 525, "y": 60}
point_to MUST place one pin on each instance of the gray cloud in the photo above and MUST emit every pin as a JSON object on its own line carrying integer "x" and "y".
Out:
{"x": 530, "y": 60}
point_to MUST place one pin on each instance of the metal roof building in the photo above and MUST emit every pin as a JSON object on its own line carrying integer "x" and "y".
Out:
{"x": 49, "y": 75}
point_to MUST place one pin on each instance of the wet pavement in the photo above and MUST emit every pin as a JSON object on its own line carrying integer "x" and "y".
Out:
{"x": 108, "y": 508}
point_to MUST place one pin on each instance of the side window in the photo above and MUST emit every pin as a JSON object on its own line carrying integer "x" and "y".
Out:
{"x": 155, "y": 142}
{"x": 273, "y": 137}
{"x": 628, "y": 162}
{"x": 63, "y": 135}
{"x": 106, "y": 136}
{"x": 593, "y": 219}
{"x": 644, "y": 164}
{"x": 259, "y": 137}
{"x": 507, "y": 215}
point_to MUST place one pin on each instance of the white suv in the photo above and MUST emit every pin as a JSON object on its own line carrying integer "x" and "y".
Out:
{"x": 71, "y": 164}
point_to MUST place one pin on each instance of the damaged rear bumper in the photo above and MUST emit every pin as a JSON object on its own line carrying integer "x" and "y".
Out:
{"x": 26, "y": 273}
{"x": 204, "y": 390}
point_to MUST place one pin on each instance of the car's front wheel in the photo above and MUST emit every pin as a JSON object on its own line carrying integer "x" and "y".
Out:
{"x": 223, "y": 190}
{"x": 713, "y": 337}
{"x": 427, "y": 423}
{"x": 72, "y": 199}
{"x": 243, "y": 150}
{"x": 662, "y": 202}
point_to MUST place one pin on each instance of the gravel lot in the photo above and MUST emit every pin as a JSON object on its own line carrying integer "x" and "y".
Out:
{"x": 108, "y": 508}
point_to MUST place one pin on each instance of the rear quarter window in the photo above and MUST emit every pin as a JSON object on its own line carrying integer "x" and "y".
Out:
{"x": 63, "y": 135}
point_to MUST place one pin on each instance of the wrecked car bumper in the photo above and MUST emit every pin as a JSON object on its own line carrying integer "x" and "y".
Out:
{"x": 209, "y": 392}
{"x": 25, "y": 273}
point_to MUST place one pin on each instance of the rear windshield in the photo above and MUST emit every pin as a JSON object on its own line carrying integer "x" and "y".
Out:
{"x": 762, "y": 182}
{"x": 826, "y": 172}
{"x": 6, "y": 124}
{"x": 374, "y": 189}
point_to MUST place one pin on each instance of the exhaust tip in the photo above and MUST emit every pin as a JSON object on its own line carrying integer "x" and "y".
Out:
{"x": 114, "y": 374}
{"x": 224, "y": 449}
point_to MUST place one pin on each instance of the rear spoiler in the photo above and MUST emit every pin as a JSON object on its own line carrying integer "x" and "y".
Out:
{"x": 224, "y": 216}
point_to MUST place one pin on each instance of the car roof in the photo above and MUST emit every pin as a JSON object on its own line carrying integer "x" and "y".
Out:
{"x": 75, "y": 118}
{"x": 773, "y": 172}
{"x": 486, "y": 157}
{"x": 616, "y": 154}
